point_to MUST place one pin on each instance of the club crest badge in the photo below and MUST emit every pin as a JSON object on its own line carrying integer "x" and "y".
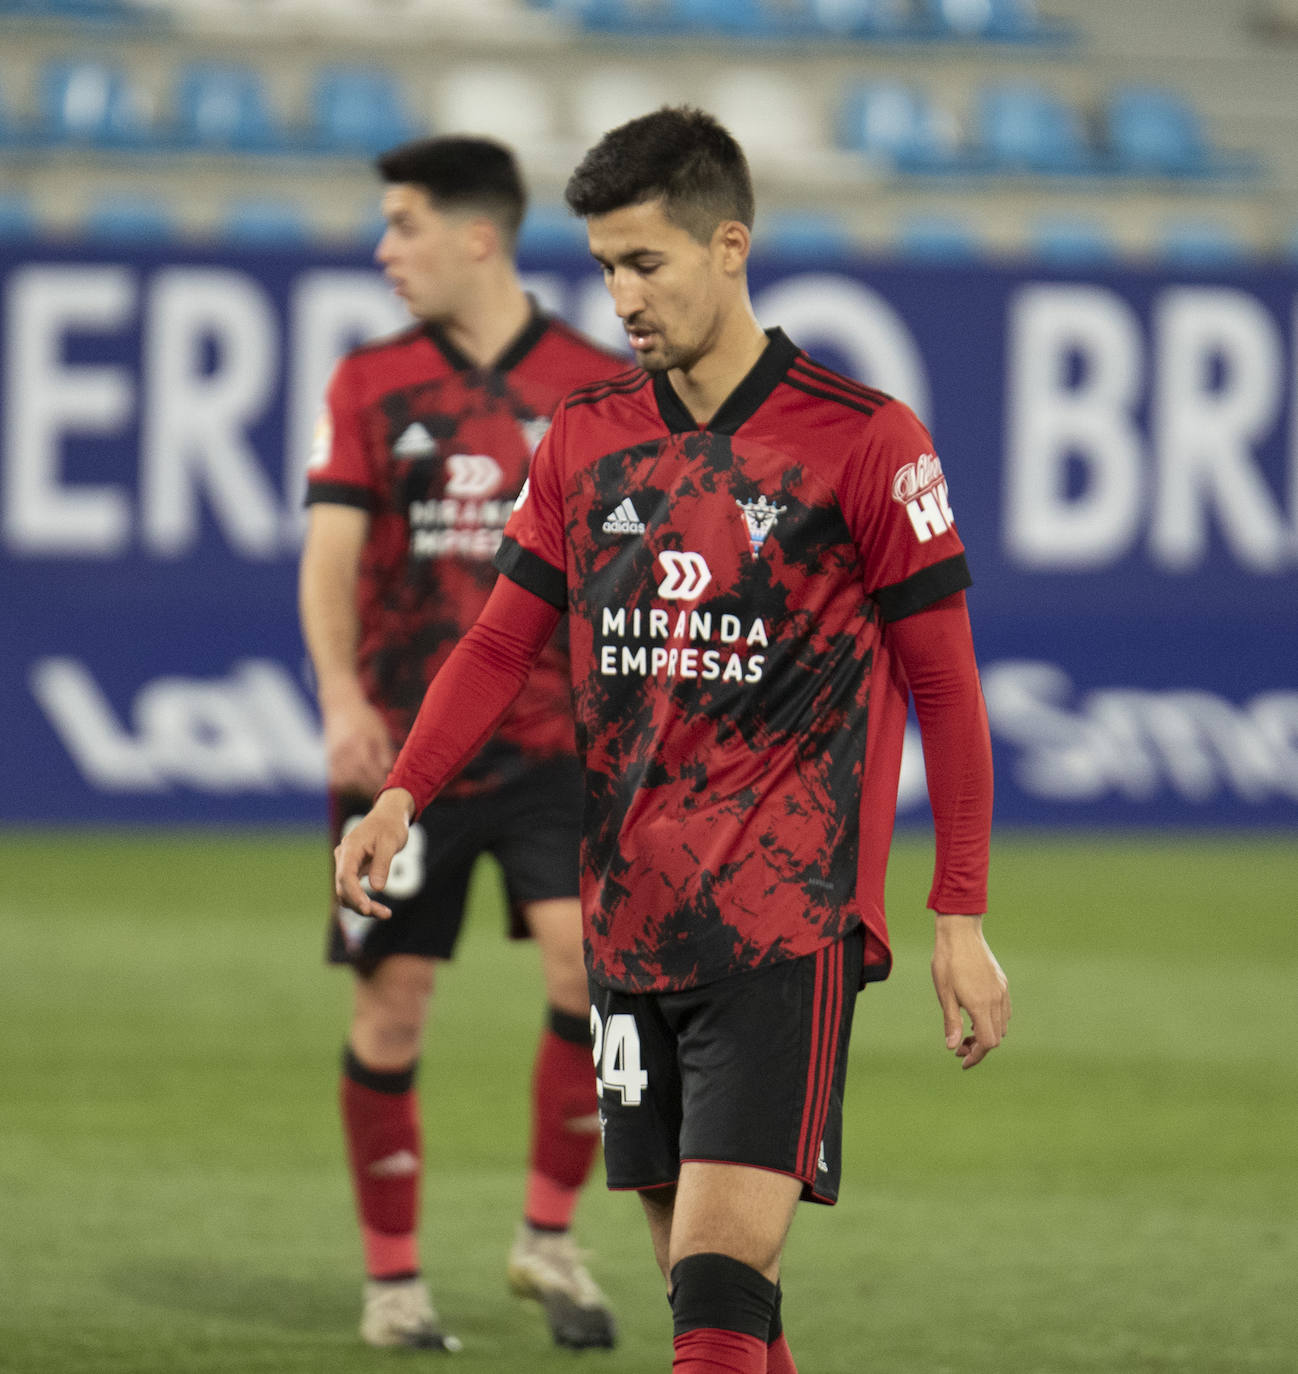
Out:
{"x": 760, "y": 517}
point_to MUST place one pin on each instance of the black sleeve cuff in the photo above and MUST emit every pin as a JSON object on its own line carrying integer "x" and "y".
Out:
{"x": 924, "y": 588}
{"x": 532, "y": 573}
{"x": 339, "y": 494}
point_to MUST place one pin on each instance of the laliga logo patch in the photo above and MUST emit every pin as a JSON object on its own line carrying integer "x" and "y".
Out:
{"x": 760, "y": 518}
{"x": 472, "y": 476}
{"x": 687, "y": 575}
{"x": 921, "y": 488}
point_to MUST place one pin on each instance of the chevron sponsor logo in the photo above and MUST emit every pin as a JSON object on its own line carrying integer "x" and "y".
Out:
{"x": 686, "y": 575}
{"x": 472, "y": 476}
{"x": 624, "y": 520}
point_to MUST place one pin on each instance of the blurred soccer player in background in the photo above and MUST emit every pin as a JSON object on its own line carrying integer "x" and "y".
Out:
{"x": 759, "y": 562}
{"x": 422, "y": 451}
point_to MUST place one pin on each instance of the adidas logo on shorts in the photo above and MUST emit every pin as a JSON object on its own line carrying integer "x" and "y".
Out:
{"x": 624, "y": 520}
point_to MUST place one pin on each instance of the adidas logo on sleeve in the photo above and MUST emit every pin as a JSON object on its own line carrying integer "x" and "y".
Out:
{"x": 624, "y": 520}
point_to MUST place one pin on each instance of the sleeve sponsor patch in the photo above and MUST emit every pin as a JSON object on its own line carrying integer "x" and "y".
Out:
{"x": 921, "y": 488}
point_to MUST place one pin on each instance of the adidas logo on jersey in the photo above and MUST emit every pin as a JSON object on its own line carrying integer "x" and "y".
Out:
{"x": 415, "y": 442}
{"x": 624, "y": 520}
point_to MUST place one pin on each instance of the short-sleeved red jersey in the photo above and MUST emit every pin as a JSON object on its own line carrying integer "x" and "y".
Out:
{"x": 738, "y": 709}
{"x": 437, "y": 451}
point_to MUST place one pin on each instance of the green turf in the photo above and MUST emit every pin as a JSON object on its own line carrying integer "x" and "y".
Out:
{"x": 1115, "y": 1190}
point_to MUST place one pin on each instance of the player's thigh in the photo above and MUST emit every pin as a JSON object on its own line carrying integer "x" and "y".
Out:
{"x": 639, "y": 1089}
{"x": 763, "y": 1060}
{"x": 426, "y": 889}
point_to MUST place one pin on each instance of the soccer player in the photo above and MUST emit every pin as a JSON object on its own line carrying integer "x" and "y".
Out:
{"x": 759, "y": 564}
{"x": 422, "y": 451}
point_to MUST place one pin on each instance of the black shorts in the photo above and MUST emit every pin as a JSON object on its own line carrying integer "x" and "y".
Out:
{"x": 749, "y": 1070}
{"x": 532, "y": 827}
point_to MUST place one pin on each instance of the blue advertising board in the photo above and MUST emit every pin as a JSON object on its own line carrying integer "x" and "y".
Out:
{"x": 1122, "y": 453}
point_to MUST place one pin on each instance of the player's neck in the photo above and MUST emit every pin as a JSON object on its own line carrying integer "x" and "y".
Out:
{"x": 704, "y": 385}
{"x": 490, "y": 319}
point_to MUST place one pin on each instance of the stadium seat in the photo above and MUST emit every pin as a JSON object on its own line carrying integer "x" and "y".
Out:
{"x": 805, "y": 234}
{"x": 769, "y": 112}
{"x": 552, "y": 231}
{"x": 860, "y": 18}
{"x": 89, "y": 101}
{"x": 1200, "y": 245}
{"x": 898, "y": 125}
{"x": 1022, "y": 127}
{"x": 937, "y": 238}
{"x": 1155, "y": 131}
{"x": 224, "y": 106}
{"x": 359, "y": 111}
{"x": 496, "y": 101}
{"x": 601, "y": 98}
{"x": 266, "y": 224}
{"x": 994, "y": 19}
{"x": 17, "y": 217}
{"x": 130, "y": 219}
{"x": 1065, "y": 241}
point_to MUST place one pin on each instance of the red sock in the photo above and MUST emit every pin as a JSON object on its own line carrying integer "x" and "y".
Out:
{"x": 709, "y": 1351}
{"x": 565, "y": 1122}
{"x": 779, "y": 1358}
{"x": 380, "y": 1113}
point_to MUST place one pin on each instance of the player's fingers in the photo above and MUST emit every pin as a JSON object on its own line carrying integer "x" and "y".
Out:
{"x": 381, "y": 861}
{"x": 983, "y": 1038}
{"x": 347, "y": 878}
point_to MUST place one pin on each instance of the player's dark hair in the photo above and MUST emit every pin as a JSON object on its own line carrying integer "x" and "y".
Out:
{"x": 679, "y": 155}
{"x": 458, "y": 173}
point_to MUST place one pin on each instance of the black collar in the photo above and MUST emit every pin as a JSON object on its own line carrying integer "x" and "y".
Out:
{"x": 514, "y": 353}
{"x": 743, "y": 402}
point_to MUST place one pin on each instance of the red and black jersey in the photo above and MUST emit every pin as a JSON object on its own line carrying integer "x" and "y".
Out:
{"x": 739, "y": 711}
{"x": 437, "y": 451}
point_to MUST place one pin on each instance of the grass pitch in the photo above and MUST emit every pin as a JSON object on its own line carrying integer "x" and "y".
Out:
{"x": 1115, "y": 1190}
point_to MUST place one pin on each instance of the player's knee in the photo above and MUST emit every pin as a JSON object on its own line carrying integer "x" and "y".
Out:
{"x": 724, "y": 1294}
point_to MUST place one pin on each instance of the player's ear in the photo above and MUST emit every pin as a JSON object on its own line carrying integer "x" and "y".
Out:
{"x": 732, "y": 243}
{"x": 483, "y": 238}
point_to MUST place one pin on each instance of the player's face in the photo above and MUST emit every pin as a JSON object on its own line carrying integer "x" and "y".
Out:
{"x": 422, "y": 252}
{"x": 668, "y": 289}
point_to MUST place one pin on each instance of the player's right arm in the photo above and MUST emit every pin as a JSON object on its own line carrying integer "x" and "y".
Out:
{"x": 357, "y": 744}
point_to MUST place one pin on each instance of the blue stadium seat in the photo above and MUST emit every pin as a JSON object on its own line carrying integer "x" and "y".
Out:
{"x": 17, "y": 217}
{"x": 359, "y": 110}
{"x": 266, "y": 224}
{"x": 89, "y": 101}
{"x": 1201, "y": 245}
{"x": 552, "y": 231}
{"x": 937, "y": 238}
{"x": 1067, "y": 241}
{"x": 224, "y": 105}
{"x": 860, "y": 18}
{"x": 1156, "y": 131}
{"x": 992, "y": 19}
{"x": 897, "y": 124}
{"x": 1025, "y": 128}
{"x": 805, "y": 234}
{"x": 130, "y": 219}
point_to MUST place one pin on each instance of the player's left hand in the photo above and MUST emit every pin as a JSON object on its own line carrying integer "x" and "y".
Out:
{"x": 367, "y": 851}
{"x": 967, "y": 976}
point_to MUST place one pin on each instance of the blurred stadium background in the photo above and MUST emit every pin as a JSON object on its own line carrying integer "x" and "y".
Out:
{"x": 1067, "y": 233}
